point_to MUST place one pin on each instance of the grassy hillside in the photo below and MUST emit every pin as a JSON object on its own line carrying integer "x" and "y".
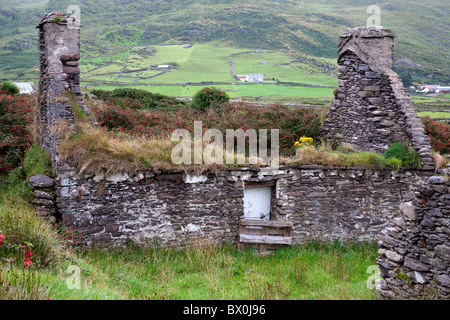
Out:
{"x": 302, "y": 28}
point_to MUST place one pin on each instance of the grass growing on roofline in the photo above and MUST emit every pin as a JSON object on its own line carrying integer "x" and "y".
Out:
{"x": 98, "y": 151}
{"x": 344, "y": 156}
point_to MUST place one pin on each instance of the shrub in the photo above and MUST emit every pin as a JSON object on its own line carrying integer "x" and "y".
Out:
{"x": 137, "y": 98}
{"x": 16, "y": 117}
{"x": 8, "y": 87}
{"x": 205, "y": 97}
{"x": 439, "y": 134}
{"x": 408, "y": 158}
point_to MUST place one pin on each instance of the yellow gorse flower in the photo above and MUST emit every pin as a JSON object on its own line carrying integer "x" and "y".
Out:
{"x": 304, "y": 141}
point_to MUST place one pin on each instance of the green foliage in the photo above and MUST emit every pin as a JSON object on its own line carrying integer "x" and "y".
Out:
{"x": 406, "y": 78}
{"x": 138, "y": 98}
{"x": 439, "y": 133}
{"x": 310, "y": 28}
{"x": 9, "y": 87}
{"x": 36, "y": 161}
{"x": 407, "y": 158}
{"x": 205, "y": 97}
{"x": 16, "y": 118}
{"x": 394, "y": 163}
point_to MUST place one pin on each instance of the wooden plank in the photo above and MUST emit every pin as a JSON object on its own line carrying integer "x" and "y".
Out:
{"x": 268, "y": 223}
{"x": 250, "y": 185}
{"x": 265, "y": 239}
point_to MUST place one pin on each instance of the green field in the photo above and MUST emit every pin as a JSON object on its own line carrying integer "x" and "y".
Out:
{"x": 200, "y": 63}
{"x": 270, "y": 91}
{"x": 284, "y": 68}
{"x": 432, "y": 114}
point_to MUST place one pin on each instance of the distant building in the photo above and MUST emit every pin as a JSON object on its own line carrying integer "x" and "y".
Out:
{"x": 251, "y": 77}
{"x": 438, "y": 89}
{"x": 442, "y": 90}
{"x": 164, "y": 66}
{"x": 25, "y": 87}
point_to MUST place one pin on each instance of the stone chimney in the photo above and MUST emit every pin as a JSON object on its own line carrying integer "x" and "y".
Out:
{"x": 59, "y": 52}
{"x": 371, "y": 109}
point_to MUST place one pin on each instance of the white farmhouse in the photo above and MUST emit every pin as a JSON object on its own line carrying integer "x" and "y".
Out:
{"x": 251, "y": 77}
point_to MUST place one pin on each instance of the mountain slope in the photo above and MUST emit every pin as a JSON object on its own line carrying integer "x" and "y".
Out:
{"x": 302, "y": 27}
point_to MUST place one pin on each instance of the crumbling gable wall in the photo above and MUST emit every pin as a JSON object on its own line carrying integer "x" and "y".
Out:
{"x": 371, "y": 109}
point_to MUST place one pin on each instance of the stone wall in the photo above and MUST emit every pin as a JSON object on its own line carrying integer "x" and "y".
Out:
{"x": 371, "y": 109}
{"x": 414, "y": 248}
{"x": 348, "y": 204}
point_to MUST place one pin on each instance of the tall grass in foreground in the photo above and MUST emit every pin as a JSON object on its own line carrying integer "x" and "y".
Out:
{"x": 206, "y": 271}
{"x": 197, "y": 271}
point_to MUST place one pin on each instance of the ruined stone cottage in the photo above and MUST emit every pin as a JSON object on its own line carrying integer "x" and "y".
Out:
{"x": 371, "y": 110}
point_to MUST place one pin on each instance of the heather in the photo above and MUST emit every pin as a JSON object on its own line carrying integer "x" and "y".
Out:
{"x": 439, "y": 133}
{"x": 16, "y": 120}
{"x": 138, "y": 122}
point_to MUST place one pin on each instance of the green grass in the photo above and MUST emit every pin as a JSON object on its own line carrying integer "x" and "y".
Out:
{"x": 199, "y": 271}
{"x": 433, "y": 114}
{"x": 258, "y": 92}
{"x": 205, "y": 271}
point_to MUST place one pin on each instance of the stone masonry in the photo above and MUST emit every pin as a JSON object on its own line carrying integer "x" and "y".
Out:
{"x": 59, "y": 53}
{"x": 371, "y": 109}
{"x": 415, "y": 247}
{"x": 347, "y": 204}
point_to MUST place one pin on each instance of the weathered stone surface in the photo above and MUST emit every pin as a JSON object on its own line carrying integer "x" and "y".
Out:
{"x": 424, "y": 244}
{"x": 372, "y": 109}
{"x": 408, "y": 209}
{"x": 348, "y": 204}
{"x": 41, "y": 181}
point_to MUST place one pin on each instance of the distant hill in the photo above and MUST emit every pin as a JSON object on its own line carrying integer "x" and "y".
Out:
{"x": 310, "y": 28}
